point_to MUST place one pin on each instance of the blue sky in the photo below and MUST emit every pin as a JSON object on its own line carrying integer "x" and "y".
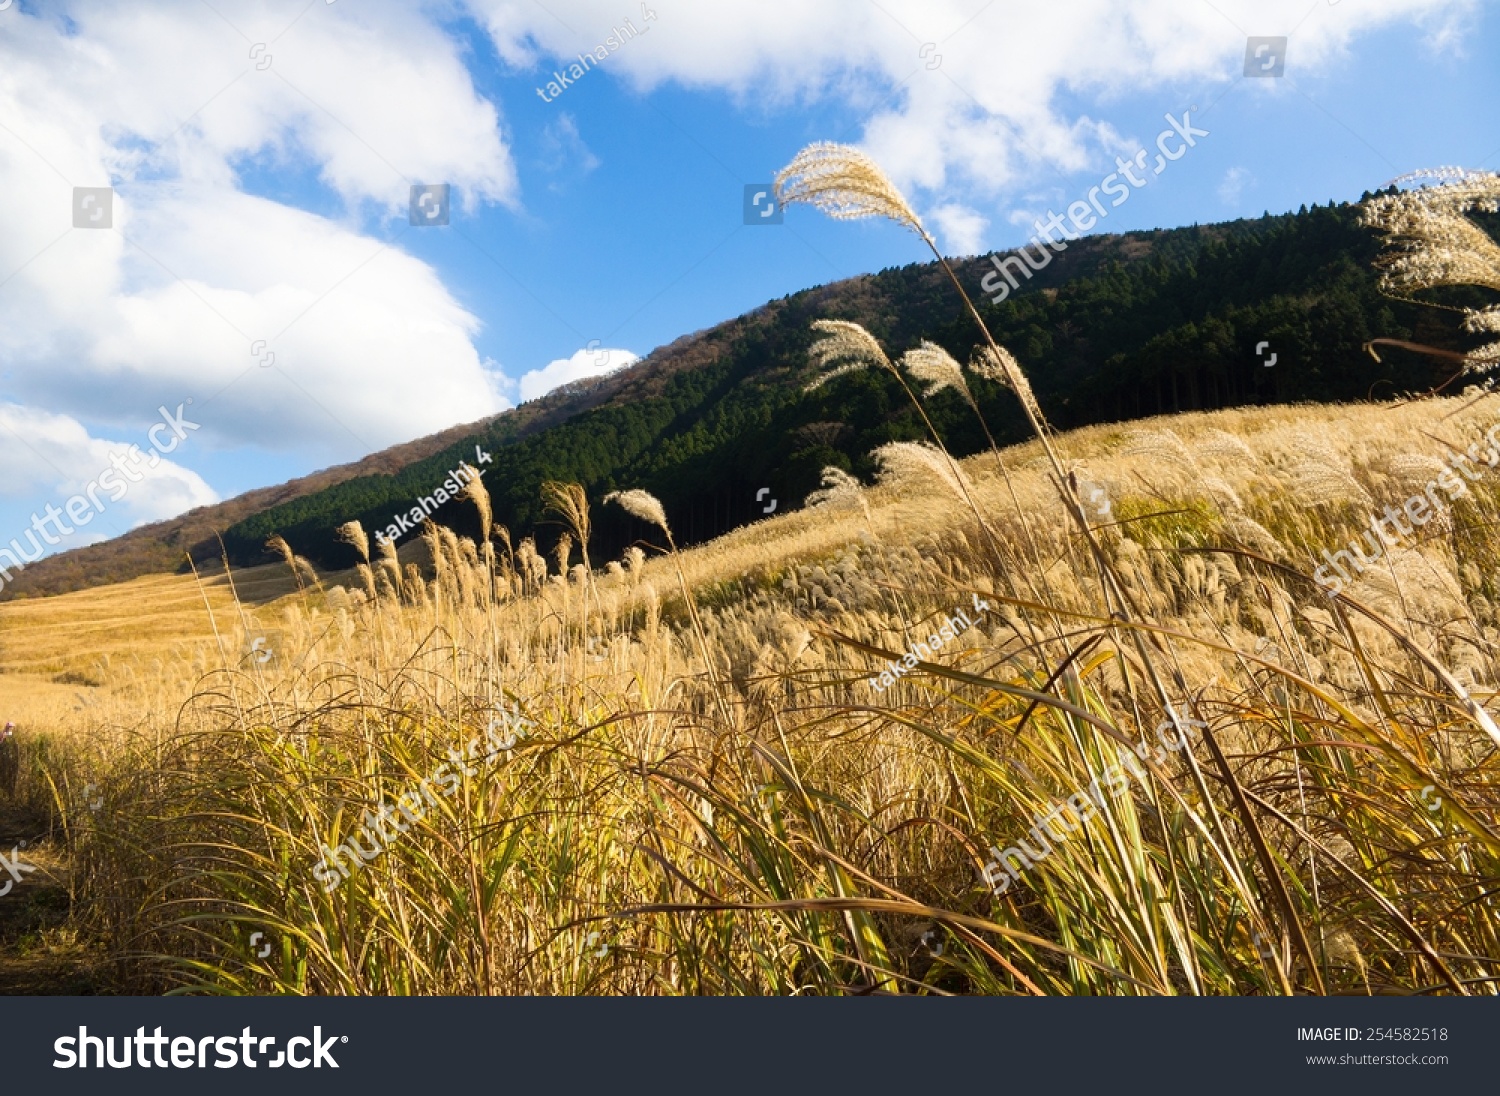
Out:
{"x": 261, "y": 263}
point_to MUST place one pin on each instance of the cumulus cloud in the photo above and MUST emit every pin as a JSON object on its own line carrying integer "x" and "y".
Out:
{"x": 53, "y": 458}
{"x": 955, "y": 92}
{"x": 588, "y": 362}
{"x": 199, "y": 281}
{"x": 960, "y": 228}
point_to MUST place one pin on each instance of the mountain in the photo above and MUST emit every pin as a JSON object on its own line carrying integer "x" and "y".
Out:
{"x": 718, "y": 424}
{"x": 163, "y": 546}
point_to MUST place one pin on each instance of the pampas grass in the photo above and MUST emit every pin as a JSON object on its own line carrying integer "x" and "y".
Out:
{"x": 1434, "y": 243}
{"x": 999, "y": 365}
{"x": 846, "y": 184}
{"x": 642, "y": 505}
{"x": 844, "y": 347}
{"x": 673, "y": 773}
{"x": 910, "y": 464}
{"x": 732, "y": 789}
{"x": 839, "y": 489}
{"x": 936, "y": 368}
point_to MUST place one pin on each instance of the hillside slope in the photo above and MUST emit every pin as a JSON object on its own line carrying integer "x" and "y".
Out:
{"x": 95, "y": 637}
{"x": 1115, "y": 328}
{"x": 163, "y": 546}
{"x": 717, "y": 424}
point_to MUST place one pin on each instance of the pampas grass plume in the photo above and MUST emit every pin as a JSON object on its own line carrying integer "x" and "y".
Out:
{"x": 846, "y": 184}
{"x": 643, "y": 505}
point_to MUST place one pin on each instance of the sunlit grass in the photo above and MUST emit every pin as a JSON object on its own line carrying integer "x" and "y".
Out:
{"x": 714, "y": 798}
{"x": 789, "y": 829}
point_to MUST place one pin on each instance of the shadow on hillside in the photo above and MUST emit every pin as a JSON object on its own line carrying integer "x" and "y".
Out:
{"x": 268, "y": 582}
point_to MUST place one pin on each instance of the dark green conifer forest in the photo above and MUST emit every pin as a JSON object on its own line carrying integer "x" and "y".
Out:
{"x": 1114, "y": 328}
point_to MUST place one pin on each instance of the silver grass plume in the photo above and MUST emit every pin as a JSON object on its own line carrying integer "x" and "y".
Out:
{"x": 1313, "y": 482}
{"x": 503, "y": 535}
{"x": 1222, "y": 446}
{"x": 475, "y": 491}
{"x": 643, "y": 505}
{"x": 1434, "y": 243}
{"x": 1254, "y": 535}
{"x": 389, "y": 590}
{"x": 389, "y": 563}
{"x": 298, "y": 566}
{"x": 1413, "y": 470}
{"x": 352, "y": 532}
{"x": 839, "y": 489}
{"x": 903, "y": 461}
{"x": 1220, "y": 491}
{"x": 279, "y": 545}
{"x": 531, "y": 565}
{"x": 413, "y": 586}
{"x": 998, "y": 364}
{"x": 844, "y": 347}
{"x": 1162, "y": 446}
{"x": 936, "y": 368}
{"x": 569, "y": 501}
{"x": 846, "y": 184}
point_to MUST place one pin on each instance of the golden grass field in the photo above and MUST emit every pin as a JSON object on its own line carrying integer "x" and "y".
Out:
{"x": 1166, "y": 756}
{"x": 711, "y": 797}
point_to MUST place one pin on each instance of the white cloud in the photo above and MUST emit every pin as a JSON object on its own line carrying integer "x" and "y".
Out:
{"x": 984, "y": 106}
{"x": 564, "y": 151}
{"x": 588, "y": 362}
{"x": 177, "y": 104}
{"x": 961, "y": 228}
{"x": 1233, "y": 185}
{"x": 52, "y": 458}
{"x": 170, "y": 104}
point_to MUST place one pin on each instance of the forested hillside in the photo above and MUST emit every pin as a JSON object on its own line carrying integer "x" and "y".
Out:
{"x": 1115, "y": 328}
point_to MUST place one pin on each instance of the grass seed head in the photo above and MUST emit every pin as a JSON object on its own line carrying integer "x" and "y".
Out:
{"x": 839, "y": 490}
{"x": 936, "y": 368}
{"x": 902, "y": 462}
{"x": 844, "y": 347}
{"x": 844, "y": 183}
{"x": 1434, "y": 243}
{"x": 352, "y": 532}
{"x": 643, "y": 505}
{"x": 999, "y": 365}
{"x": 475, "y": 491}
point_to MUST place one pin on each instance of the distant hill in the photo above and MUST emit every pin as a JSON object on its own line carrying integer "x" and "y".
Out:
{"x": 163, "y": 546}
{"x": 1116, "y": 327}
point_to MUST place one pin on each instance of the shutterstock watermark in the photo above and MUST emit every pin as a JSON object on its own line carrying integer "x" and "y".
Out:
{"x": 1082, "y": 214}
{"x": 429, "y": 205}
{"x": 15, "y": 867}
{"x": 451, "y": 487}
{"x": 1005, "y": 868}
{"x": 186, "y": 1052}
{"x": 82, "y": 508}
{"x": 414, "y": 802}
{"x": 1417, "y": 511}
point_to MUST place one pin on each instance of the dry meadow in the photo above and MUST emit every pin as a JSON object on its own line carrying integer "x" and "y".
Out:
{"x": 711, "y": 793}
